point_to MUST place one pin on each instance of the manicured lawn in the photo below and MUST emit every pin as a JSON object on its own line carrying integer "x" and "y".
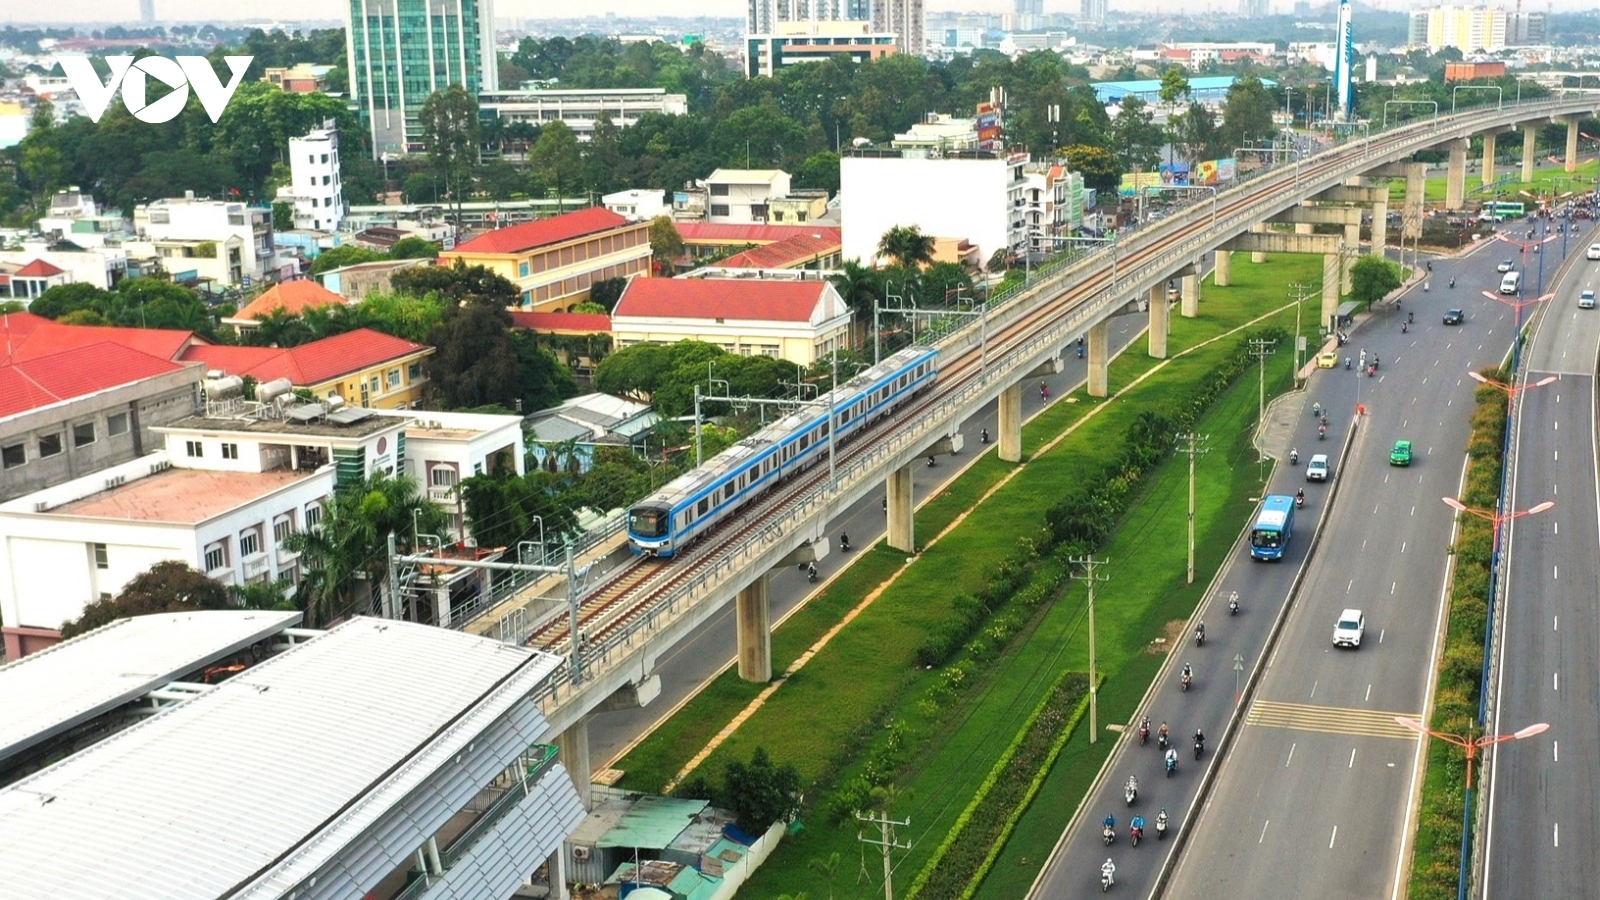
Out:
{"x": 825, "y": 718}
{"x": 1547, "y": 179}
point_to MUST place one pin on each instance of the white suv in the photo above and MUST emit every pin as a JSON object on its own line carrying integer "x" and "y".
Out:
{"x": 1594, "y": 251}
{"x": 1317, "y": 468}
{"x": 1352, "y": 625}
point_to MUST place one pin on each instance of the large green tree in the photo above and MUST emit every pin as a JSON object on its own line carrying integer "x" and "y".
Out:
{"x": 474, "y": 362}
{"x": 164, "y": 587}
{"x": 906, "y": 245}
{"x": 449, "y": 120}
{"x": 557, "y": 160}
{"x": 1135, "y": 138}
{"x": 1247, "y": 113}
{"x": 761, "y": 792}
{"x": 1372, "y": 278}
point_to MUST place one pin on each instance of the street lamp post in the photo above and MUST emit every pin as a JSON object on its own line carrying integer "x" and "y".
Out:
{"x": 1496, "y": 519}
{"x": 1473, "y": 744}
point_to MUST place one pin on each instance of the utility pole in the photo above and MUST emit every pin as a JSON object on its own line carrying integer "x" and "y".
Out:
{"x": 887, "y": 841}
{"x": 1088, "y": 563}
{"x": 1195, "y": 448}
{"x": 1261, "y": 348}
{"x": 1301, "y": 293}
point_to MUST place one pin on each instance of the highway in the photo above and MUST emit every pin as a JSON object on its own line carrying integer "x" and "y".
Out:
{"x": 1315, "y": 787}
{"x": 1543, "y": 828}
{"x": 711, "y": 647}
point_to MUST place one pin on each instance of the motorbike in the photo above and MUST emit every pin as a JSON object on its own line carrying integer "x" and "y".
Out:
{"x": 1184, "y": 679}
{"x": 1161, "y": 825}
{"x": 1130, "y": 792}
{"x": 1316, "y": 410}
{"x": 811, "y": 573}
{"x": 1411, "y": 317}
{"x": 1144, "y": 732}
{"x": 1108, "y": 831}
{"x": 1300, "y": 500}
{"x": 844, "y": 543}
{"x": 1233, "y": 604}
{"x": 1135, "y": 832}
{"x": 1105, "y": 879}
{"x": 1452, "y": 282}
{"x": 1371, "y": 371}
{"x": 1427, "y": 286}
{"x": 1199, "y": 746}
{"x": 1347, "y": 363}
{"x": 1322, "y": 432}
{"x": 1405, "y": 327}
{"x": 930, "y": 462}
{"x": 1162, "y": 739}
{"x": 983, "y": 436}
{"x": 1044, "y": 392}
{"x": 1172, "y": 763}
{"x": 1294, "y": 457}
{"x": 1200, "y": 636}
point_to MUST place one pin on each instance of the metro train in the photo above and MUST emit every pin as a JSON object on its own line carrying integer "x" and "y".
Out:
{"x": 693, "y": 503}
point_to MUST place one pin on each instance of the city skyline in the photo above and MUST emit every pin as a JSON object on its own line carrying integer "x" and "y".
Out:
{"x": 128, "y": 11}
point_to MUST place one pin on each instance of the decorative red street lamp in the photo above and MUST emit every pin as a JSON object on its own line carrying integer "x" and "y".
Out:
{"x": 1469, "y": 743}
{"x": 1495, "y": 518}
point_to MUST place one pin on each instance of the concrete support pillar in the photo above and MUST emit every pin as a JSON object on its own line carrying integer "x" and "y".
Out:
{"x": 1352, "y": 246}
{"x": 1489, "y": 139}
{"x": 753, "y": 625}
{"x": 1160, "y": 321}
{"x": 1380, "y": 226}
{"x": 1529, "y": 135}
{"x": 1330, "y": 286}
{"x": 1011, "y": 423}
{"x": 1221, "y": 269}
{"x": 902, "y": 519}
{"x": 1572, "y": 146}
{"x": 1416, "y": 189}
{"x": 555, "y": 866}
{"x": 1455, "y": 179}
{"x": 572, "y": 746}
{"x": 1100, "y": 358}
{"x": 1191, "y": 296}
{"x": 1258, "y": 256}
{"x": 441, "y": 602}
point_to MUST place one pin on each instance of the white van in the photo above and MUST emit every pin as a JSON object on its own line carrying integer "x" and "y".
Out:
{"x": 1510, "y": 282}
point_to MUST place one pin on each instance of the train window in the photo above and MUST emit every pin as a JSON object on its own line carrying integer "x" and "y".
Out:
{"x": 705, "y": 504}
{"x": 647, "y": 523}
{"x": 727, "y": 492}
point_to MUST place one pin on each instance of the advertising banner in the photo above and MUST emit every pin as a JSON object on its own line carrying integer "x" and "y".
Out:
{"x": 1132, "y": 183}
{"x": 1175, "y": 174}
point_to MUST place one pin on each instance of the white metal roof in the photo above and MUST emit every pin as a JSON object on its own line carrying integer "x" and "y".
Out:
{"x": 260, "y": 776}
{"x": 63, "y": 686}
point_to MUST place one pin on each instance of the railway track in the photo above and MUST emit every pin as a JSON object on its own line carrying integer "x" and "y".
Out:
{"x": 639, "y": 588}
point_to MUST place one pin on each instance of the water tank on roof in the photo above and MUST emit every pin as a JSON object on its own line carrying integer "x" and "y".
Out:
{"x": 272, "y": 390}
{"x": 219, "y": 388}
{"x": 334, "y": 402}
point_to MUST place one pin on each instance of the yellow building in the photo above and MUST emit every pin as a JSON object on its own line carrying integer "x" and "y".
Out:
{"x": 365, "y": 367}
{"x": 554, "y": 262}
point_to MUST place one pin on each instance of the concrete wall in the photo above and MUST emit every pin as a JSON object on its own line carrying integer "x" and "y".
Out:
{"x": 953, "y": 198}
{"x": 143, "y": 405}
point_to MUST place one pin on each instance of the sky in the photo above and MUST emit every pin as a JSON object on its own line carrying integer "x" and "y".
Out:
{"x": 22, "y": 11}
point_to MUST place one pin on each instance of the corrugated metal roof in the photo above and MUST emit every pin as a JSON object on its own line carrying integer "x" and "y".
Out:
{"x": 262, "y": 781}
{"x": 63, "y": 686}
{"x": 652, "y": 823}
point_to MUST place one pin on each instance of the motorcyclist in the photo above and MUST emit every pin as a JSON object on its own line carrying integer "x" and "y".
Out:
{"x": 1200, "y": 633}
{"x": 1316, "y": 410}
{"x": 1405, "y": 327}
{"x": 983, "y": 435}
{"x": 1347, "y": 362}
{"x": 1300, "y": 496}
{"x": 1186, "y": 676}
{"x": 811, "y": 571}
{"x": 1411, "y": 317}
{"x": 844, "y": 542}
{"x": 1132, "y": 785}
{"x": 1294, "y": 456}
{"x": 1322, "y": 432}
{"x": 1161, "y": 735}
{"x": 930, "y": 460}
{"x": 1452, "y": 281}
{"x": 1108, "y": 829}
{"x": 1427, "y": 286}
{"x": 1233, "y": 602}
{"x": 1044, "y": 391}
{"x": 1172, "y": 759}
{"x": 1136, "y": 828}
{"x": 1199, "y": 743}
{"x": 1430, "y": 265}
{"x": 1161, "y": 823}
{"x": 1108, "y": 872}
{"x": 1144, "y": 729}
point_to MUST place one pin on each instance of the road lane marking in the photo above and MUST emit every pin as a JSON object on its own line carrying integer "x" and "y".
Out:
{"x": 1263, "y": 838}
{"x": 1555, "y": 680}
{"x": 1555, "y": 751}
{"x": 1556, "y": 526}
{"x": 1556, "y": 833}
{"x": 1557, "y": 455}
{"x": 1313, "y": 689}
{"x": 1291, "y": 755}
{"x": 1352, "y": 758}
{"x": 1328, "y": 719}
{"x": 1402, "y": 546}
{"x": 1555, "y": 573}
{"x": 1392, "y": 586}
{"x": 1369, "y": 694}
{"x": 1334, "y": 838}
{"x": 1555, "y": 623}
{"x": 1350, "y": 585}
{"x": 1381, "y": 632}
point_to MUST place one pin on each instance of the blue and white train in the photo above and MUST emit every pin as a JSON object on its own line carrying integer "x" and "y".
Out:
{"x": 693, "y": 503}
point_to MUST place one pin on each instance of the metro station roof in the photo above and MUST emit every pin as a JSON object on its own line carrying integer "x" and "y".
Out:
{"x": 61, "y": 687}
{"x": 255, "y": 786}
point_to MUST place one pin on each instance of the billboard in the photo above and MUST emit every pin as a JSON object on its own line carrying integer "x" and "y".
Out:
{"x": 1176, "y": 174}
{"x": 1134, "y": 182}
{"x": 1213, "y": 171}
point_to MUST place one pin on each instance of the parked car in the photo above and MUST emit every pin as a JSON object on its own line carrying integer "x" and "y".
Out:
{"x": 1328, "y": 359}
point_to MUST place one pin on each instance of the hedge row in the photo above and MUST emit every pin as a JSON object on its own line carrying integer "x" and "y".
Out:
{"x": 970, "y": 848}
{"x": 1436, "y": 865}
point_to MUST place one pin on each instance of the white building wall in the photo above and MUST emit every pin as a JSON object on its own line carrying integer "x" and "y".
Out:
{"x": 187, "y": 219}
{"x": 951, "y": 198}
{"x": 314, "y": 178}
{"x": 637, "y": 205}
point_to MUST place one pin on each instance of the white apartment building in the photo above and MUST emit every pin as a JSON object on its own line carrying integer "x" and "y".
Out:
{"x": 906, "y": 20}
{"x": 978, "y": 197}
{"x": 443, "y": 448}
{"x": 581, "y": 109}
{"x": 314, "y": 186}
{"x": 741, "y": 196}
{"x": 936, "y": 136}
{"x": 101, "y": 266}
{"x": 1470, "y": 29}
{"x": 636, "y": 205}
{"x": 228, "y": 241}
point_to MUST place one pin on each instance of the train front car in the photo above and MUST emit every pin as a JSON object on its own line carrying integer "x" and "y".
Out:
{"x": 649, "y": 528}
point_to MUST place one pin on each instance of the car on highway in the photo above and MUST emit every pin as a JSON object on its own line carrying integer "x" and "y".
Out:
{"x": 1586, "y": 300}
{"x": 1454, "y": 317}
{"x": 1328, "y": 359}
{"x": 1506, "y": 265}
{"x": 1349, "y": 629}
{"x": 1317, "y": 468}
{"x": 1400, "y": 454}
{"x": 1594, "y": 251}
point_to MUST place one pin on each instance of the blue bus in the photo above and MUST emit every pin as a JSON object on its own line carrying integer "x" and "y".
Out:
{"x": 1269, "y": 537}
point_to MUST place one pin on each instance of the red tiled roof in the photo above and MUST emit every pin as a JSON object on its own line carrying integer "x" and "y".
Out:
{"x": 594, "y": 323}
{"x": 37, "y": 269}
{"x": 307, "y": 364}
{"x": 800, "y": 248}
{"x": 75, "y": 372}
{"x": 553, "y": 230}
{"x": 25, "y": 336}
{"x": 293, "y": 297}
{"x": 705, "y": 232}
{"x": 750, "y": 299}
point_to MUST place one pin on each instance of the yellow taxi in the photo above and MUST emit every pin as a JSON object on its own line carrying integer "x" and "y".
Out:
{"x": 1328, "y": 359}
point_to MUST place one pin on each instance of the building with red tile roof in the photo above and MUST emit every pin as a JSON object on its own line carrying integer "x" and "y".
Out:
{"x": 800, "y": 320}
{"x": 596, "y": 327}
{"x": 25, "y": 336}
{"x": 705, "y": 240}
{"x": 812, "y": 250}
{"x": 555, "y": 261}
{"x": 31, "y": 279}
{"x": 293, "y": 297}
{"x": 365, "y": 367}
{"x": 79, "y": 409}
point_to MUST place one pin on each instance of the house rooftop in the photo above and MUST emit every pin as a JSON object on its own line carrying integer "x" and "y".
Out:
{"x": 307, "y": 364}
{"x": 542, "y": 232}
{"x": 716, "y": 232}
{"x": 288, "y": 428}
{"x": 592, "y": 323}
{"x": 179, "y": 496}
{"x": 293, "y": 297}
{"x": 75, "y": 372}
{"x": 800, "y": 248}
{"x": 745, "y": 176}
{"x": 744, "y": 299}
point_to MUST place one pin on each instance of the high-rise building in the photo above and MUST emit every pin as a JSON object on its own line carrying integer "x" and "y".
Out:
{"x": 1470, "y": 29}
{"x": 401, "y": 51}
{"x": 1526, "y": 29}
{"x": 1253, "y": 9}
{"x": 1093, "y": 10}
{"x": 318, "y": 194}
{"x": 1030, "y": 14}
{"x": 906, "y": 19}
{"x": 763, "y": 16}
{"x": 147, "y": 11}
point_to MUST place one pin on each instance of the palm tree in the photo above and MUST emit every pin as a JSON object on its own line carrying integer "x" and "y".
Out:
{"x": 907, "y": 246}
{"x": 860, "y": 287}
{"x": 347, "y": 552}
{"x": 827, "y": 868}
